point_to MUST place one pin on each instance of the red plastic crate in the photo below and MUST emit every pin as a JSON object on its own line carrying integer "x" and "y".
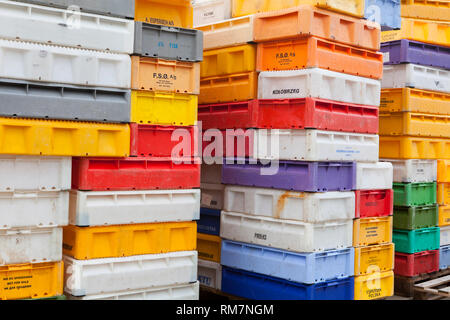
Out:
{"x": 411, "y": 265}
{"x": 156, "y": 141}
{"x": 374, "y": 203}
{"x": 291, "y": 114}
{"x": 237, "y": 143}
{"x": 102, "y": 174}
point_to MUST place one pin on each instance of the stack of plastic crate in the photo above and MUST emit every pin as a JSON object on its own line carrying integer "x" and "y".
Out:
{"x": 64, "y": 84}
{"x": 415, "y": 132}
{"x": 131, "y": 233}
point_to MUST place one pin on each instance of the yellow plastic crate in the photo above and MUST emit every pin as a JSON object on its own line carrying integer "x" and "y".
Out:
{"x": 370, "y": 231}
{"x": 374, "y": 286}
{"x": 174, "y": 13}
{"x": 164, "y": 108}
{"x": 31, "y": 281}
{"x": 392, "y": 147}
{"x": 379, "y": 258}
{"x": 246, "y": 7}
{"x": 444, "y": 216}
{"x": 414, "y": 100}
{"x": 129, "y": 240}
{"x": 443, "y": 194}
{"x": 63, "y": 138}
{"x": 220, "y": 62}
{"x": 443, "y": 171}
{"x": 426, "y": 9}
{"x": 209, "y": 247}
{"x": 420, "y": 30}
{"x": 415, "y": 124}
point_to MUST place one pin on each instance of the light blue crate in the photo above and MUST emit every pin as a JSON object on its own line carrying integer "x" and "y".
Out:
{"x": 306, "y": 268}
{"x": 444, "y": 257}
{"x": 385, "y": 12}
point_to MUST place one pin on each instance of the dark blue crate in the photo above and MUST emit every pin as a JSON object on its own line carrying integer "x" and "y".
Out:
{"x": 209, "y": 222}
{"x": 259, "y": 287}
{"x": 385, "y": 12}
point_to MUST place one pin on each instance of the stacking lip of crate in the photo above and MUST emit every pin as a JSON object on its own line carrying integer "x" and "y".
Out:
{"x": 415, "y": 137}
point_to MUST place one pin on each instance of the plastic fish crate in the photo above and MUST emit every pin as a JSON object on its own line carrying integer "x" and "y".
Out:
{"x": 374, "y": 176}
{"x": 163, "y": 108}
{"x": 406, "y": 51}
{"x": 416, "y": 217}
{"x": 384, "y": 12}
{"x": 415, "y": 124}
{"x": 128, "y": 240}
{"x": 30, "y": 245}
{"x": 287, "y": 235}
{"x": 212, "y": 196}
{"x": 211, "y": 173}
{"x": 443, "y": 171}
{"x": 307, "y": 268}
{"x": 430, "y": 10}
{"x": 445, "y": 236}
{"x": 228, "y": 143}
{"x": 378, "y": 258}
{"x": 374, "y": 203}
{"x": 37, "y": 280}
{"x": 210, "y": 274}
{"x": 314, "y": 52}
{"x": 42, "y": 24}
{"x": 130, "y": 207}
{"x": 310, "y": 21}
{"x": 290, "y": 113}
{"x": 27, "y": 99}
{"x": 374, "y": 286}
{"x": 444, "y": 257}
{"x": 211, "y": 11}
{"x": 444, "y": 215}
{"x": 414, "y": 194}
{"x": 209, "y": 222}
{"x": 287, "y": 205}
{"x": 169, "y": 43}
{"x": 372, "y": 231}
{"x": 292, "y": 175}
{"x": 412, "y": 170}
{"x": 401, "y": 147}
{"x": 319, "y": 83}
{"x": 411, "y": 265}
{"x": 31, "y": 173}
{"x": 100, "y": 276}
{"x": 176, "y": 13}
{"x": 443, "y": 194}
{"x": 209, "y": 247}
{"x": 105, "y": 174}
{"x": 414, "y": 241}
{"x": 414, "y": 100}
{"x": 255, "y": 286}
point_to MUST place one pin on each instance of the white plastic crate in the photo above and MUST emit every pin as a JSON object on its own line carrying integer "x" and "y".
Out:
{"x": 41, "y": 62}
{"x": 34, "y": 209}
{"x": 445, "y": 236}
{"x": 188, "y": 291}
{"x": 286, "y": 234}
{"x": 97, "y": 208}
{"x": 211, "y": 173}
{"x": 27, "y": 22}
{"x": 33, "y": 245}
{"x": 212, "y": 195}
{"x": 416, "y": 76}
{"x": 374, "y": 176}
{"x": 26, "y": 173}
{"x": 289, "y": 205}
{"x": 414, "y": 170}
{"x": 98, "y": 276}
{"x": 210, "y": 274}
{"x": 319, "y": 83}
{"x": 210, "y": 11}
{"x": 315, "y": 145}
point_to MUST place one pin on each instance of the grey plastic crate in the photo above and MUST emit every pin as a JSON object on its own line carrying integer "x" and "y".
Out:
{"x": 115, "y": 8}
{"x": 63, "y": 102}
{"x": 155, "y": 41}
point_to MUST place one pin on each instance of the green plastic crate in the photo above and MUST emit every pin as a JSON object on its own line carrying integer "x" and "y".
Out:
{"x": 417, "y": 217}
{"x": 415, "y": 194}
{"x": 414, "y": 241}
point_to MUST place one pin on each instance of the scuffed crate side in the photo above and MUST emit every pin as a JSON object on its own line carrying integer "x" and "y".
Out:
{"x": 28, "y": 173}
{"x": 372, "y": 231}
{"x": 374, "y": 203}
{"x": 26, "y": 22}
{"x": 411, "y": 265}
{"x": 177, "y": 13}
{"x": 384, "y": 12}
{"x": 443, "y": 194}
{"x": 209, "y": 247}
{"x": 444, "y": 215}
{"x": 33, "y": 245}
{"x": 414, "y": 124}
{"x": 210, "y": 274}
{"x": 212, "y": 196}
{"x": 444, "y": 257}
{"x": 416, "y": 217}
{"x": 443, "y": 171}
{"x": 209, "y": 222}
{"x": 429, "y": 10}
{"x": 98, "y": 276}
{"x": 413, "y": 241}
{"x": 374, "y": 176}
{"x": 401, "y": 147}
{"x": 211, "y": 11}
{"x": 412, "y": 170}
{"x": 378, "y": 258}
{"x": 288, "y": 205}
{"x": 445, "y": 236}
{"x": 211, "y": 173}
{"x": 374, "y": 286}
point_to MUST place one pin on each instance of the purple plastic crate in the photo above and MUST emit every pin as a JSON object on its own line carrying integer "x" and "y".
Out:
{"x": 407, "y": 51}
{"x": 294, "y": 175}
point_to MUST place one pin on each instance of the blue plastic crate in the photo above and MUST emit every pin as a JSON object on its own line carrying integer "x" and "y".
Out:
{"x": 385, "y": 12}
{"x": 209, "y": 222}
{"x": 255, "y": 286}
{"x": 444, "y": 257}
{"x": 308, "y": 268}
